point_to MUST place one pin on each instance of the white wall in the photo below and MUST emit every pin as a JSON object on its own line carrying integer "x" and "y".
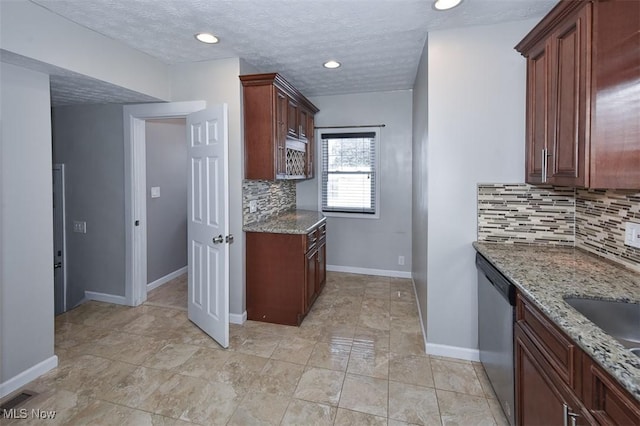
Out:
{"x": 34, "y": 32}
{"x": 420, "y": 178}
{"x": 476, "y": 116}
{"x": 26, "y": 231}
{"x": 217, "y": 82}
{"x": 371, "y": 244}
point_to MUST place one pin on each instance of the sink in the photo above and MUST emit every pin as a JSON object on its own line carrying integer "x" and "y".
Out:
{"x": 619, "y": 319}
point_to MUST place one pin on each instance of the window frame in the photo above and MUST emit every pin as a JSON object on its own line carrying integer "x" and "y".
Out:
{"x": 376, "y": 168}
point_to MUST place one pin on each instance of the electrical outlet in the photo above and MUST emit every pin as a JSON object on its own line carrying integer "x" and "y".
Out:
{"x": 253, "y": 206}
{"x": 80, "y": 226}
{"x": 400, "y": 260}
{"x": 632, "y": 234}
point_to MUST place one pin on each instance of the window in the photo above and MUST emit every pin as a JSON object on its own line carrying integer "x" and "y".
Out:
{"x": 349, "y": 172}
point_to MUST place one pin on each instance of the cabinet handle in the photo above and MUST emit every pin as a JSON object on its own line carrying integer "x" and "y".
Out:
{"x": 544, "y": 171}
{"x": 565, "y": 413}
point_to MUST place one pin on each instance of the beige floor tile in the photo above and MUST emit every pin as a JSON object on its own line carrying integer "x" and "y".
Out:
{"x": 205, "y": 363}
{"x": 172, "y": 294}
{"x": 350, "y": 418}
{"x": 461, "y": 409}
{"x": 380, "y": 320}
{"x": 413, "y": 404}
{"x": 66, "y": 404}
{"x": 484, "y": 380}
{"x": 134, "y": 388}
{"x": 406, "y": 343}
{"x": 301, "y": 412}
{"x": 456, "y": 377}
{"x": 278, "y": 378}
{"x": 378, "y": 339}
{"x": 330, "y": 355}
{"x": 294, "y": 349}
{"x": 411, "y": 369}
{"x": 106, "y": 413}
{"x": 381, "y": 292}
{"x": 367, "y": 361}
{"x": 498, "y": 414}
{"x": 320, "y": 385}
{"x": 120, "y": 346}
{"x": 193, "y": 400}
{"x": 338, "y": 333}
{"x": 259, "y": 344}
{"x": 240, "y": 371}
{"x": 259, "y": 409}
{"x": 365, "y": 394}
{"x": 394, "y": 422}
{"x": 69, "y": 335}
{"x": 171, "y": 356}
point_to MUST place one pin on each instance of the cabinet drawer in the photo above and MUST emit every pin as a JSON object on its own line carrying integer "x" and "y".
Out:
{"x": 606, "y": 400}
{"x": 557, "y": 349}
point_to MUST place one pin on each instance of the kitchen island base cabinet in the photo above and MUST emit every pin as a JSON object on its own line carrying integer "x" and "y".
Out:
{"x": 285, "y": 274}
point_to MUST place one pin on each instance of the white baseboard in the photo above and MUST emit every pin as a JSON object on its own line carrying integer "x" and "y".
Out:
{"x": 163, "y": 280}
{"x": 238, "y": 318}
{"x": 453, "y": 352}
{"x": 108, "y": 298}
{"x": 16, "y": 382}
{"x": 368, "y": 271}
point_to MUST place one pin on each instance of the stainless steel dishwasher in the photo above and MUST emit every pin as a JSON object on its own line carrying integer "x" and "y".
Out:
{"x": 496, "y": 314}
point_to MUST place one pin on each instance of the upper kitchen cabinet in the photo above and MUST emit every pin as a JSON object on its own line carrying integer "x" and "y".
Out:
{"x": 583, "y": 96}
{"x": 278, "y": 139}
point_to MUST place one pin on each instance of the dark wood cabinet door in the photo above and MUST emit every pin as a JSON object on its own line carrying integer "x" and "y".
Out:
{"x": 615, "y": 151}
{"x": 311, "y": 271}
{"x": 303, "y": 125}
{"x": 282, "y": 103}
{"x": 567, "y": 122}
{"x": 311, "y": 146}
{"x": 541, "y": 397}
{"x": 293, "y": 119}
{"x": 322, "y": 266}
{"x": 538, "y": 91}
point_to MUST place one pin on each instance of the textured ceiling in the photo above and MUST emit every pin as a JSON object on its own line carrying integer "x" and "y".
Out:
{"x": 378, "y": 42}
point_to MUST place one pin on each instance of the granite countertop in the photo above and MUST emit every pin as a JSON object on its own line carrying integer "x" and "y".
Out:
{"x": 546, "y": 274}
{"x": 290, "y": 222}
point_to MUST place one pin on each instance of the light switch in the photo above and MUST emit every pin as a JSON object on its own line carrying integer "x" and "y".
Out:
{"x": 155, "y": 192}
{"x": 80, "y": 226}
{"x": 253, "y": 206}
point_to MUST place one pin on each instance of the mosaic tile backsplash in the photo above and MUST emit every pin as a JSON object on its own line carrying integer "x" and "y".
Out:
{"x": 273, "y": 197}
{"x": 590, "y": 219}
{"x": 520, "y": 213}
{"x": 600, "y": 217}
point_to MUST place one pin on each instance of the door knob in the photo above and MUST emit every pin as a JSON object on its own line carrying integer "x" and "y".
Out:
{"x": 218, "y": 240}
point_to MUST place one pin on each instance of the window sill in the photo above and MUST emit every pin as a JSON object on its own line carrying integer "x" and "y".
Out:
{"x": 351, "y": 215}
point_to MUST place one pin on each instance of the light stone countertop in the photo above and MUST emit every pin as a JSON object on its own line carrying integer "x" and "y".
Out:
{"x": 547, "y": 274}
{"x": 289, "y": 222}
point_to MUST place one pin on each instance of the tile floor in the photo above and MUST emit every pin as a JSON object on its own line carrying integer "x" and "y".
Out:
{"x": 357, "y": 359}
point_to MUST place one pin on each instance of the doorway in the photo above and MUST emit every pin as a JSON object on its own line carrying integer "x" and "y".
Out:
{"x": 166, "y": 198}
{"x": 59, "y": 241}
{"x": 207, "y": 206}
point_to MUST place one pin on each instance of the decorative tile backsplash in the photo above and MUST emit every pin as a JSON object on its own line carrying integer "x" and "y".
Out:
{"x": 272, "y": 197}
{"x": 590, "y": 219}
{"x": 521, "y": 213}
{"x": 600, "y": 217}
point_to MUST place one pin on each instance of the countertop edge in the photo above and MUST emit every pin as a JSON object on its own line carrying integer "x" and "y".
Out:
{"x": 290, "y": 222}
{"x": 591, "y": 342}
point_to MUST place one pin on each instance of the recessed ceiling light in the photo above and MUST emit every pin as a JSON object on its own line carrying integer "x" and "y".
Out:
{"x": 446, "y": 4}
{"x": 207, "y": 38}
{"x": 332, "y": 64}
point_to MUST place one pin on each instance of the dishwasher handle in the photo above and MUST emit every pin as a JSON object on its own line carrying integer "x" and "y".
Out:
{"x": 499, "y": 281}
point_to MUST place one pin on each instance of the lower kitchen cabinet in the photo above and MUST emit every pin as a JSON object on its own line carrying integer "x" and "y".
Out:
{"x": 285, "y": 274}
{"x": 559, "y": 384}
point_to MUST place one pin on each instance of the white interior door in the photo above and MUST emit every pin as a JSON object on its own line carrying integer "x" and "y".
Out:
{"x": 208, "y": 222}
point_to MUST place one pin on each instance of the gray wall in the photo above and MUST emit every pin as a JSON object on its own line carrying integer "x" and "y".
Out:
{"x": 476, "y": 112}
{"x": 371, "y": 243}
{"x": 166, "y": 151}
{"x": 26, "y": 218}
{"x": 419, "y": 207}
{"x": 88, "y": 140}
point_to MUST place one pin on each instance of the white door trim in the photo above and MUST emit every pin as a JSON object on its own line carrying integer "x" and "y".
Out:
{"x": 135, "y": 203}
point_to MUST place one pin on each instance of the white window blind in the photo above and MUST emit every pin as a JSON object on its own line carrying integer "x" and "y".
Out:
{"x": 349, "y": 172}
